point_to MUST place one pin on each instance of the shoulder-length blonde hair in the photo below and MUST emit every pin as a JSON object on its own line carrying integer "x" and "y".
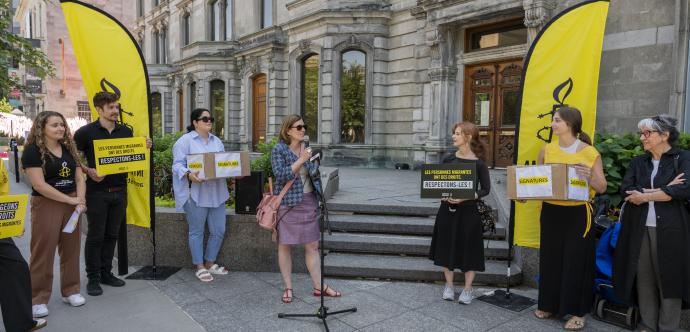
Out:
{"x": 288, "y": 121}
{"x": 37, "y": 136}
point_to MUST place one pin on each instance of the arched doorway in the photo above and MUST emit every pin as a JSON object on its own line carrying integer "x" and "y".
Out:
{"x": 258, "y": 110}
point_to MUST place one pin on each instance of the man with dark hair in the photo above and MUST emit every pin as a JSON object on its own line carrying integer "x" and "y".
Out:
{"x": 106, "y": 196}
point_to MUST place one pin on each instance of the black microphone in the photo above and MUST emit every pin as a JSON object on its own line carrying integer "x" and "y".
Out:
{"x": 305, "y": 141}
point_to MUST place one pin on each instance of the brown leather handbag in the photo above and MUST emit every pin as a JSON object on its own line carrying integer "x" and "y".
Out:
{"x": 267, "y": 210}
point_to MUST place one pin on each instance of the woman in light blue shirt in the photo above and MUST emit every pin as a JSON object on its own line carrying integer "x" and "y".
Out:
{"x": 202, "y": 200}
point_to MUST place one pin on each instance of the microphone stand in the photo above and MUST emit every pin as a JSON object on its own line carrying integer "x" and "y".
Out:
{"x": 322, "y": 312}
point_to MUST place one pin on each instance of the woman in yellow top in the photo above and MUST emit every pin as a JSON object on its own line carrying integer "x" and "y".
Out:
{"x": 567, "y": 252}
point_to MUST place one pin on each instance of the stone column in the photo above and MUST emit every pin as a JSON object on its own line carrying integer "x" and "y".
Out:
{"x": 442, "y": 79}
{"x": 537, "y": 13}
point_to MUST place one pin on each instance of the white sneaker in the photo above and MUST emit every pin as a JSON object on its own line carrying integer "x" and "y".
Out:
{"x": 466, "y": 296}
{"x": 74, "y": 300}
{"x": 39, "y": 310}
{"x": 448, "y": 293}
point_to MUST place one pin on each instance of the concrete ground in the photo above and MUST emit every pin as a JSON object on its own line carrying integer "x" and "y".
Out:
{"x": 250, "y": 301}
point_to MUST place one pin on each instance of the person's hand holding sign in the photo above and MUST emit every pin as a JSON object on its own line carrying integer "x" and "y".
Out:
{"x": 91, "y": 172}
{"x": 194, "y": 177}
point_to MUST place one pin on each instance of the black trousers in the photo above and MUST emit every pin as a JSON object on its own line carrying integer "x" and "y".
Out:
{"x": 105, "y": 213}
{"x": 15, "y": 289}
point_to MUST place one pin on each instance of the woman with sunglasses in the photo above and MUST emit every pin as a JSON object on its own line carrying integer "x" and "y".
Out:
{"x": 299, "y": 210}
{"x": 652, "y": 257}
{"x": 203, "y": 201}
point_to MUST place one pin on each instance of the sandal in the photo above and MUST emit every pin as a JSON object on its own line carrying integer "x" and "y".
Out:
{"x": 317, "y": 292}
{"x": 217, "y": 269}
{"x": 542, "y": 314}
{"x": 287, "y": 295}
{"x": 574, "y": 324}
{"x": 203, "y": 275}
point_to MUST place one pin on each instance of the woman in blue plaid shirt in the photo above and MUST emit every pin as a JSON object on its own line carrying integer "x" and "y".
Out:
{"x": 298, "y": 213}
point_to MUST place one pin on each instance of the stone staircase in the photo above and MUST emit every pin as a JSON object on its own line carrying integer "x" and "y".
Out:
{"x": 392, "y": 242}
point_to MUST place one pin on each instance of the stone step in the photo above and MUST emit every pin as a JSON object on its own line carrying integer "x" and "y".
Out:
{"x": 409, "y": 268}
{"x": 401, "y": 210}
{"x": 399, "y": 244}
{"x": 390, "y": 224}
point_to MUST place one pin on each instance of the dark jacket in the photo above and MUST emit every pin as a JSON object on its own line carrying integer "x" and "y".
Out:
{"x": 282, "y": 159}
{"x": 673, "y": 228}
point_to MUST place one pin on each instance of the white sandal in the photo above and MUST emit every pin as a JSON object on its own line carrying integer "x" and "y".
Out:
{"x": 203, "y": 275}
{"x": 217, "y": 269}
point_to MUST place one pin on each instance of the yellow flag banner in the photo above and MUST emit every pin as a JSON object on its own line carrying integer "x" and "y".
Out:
{"x": 120, "y": 155}
{"x": 109, "y": 59}
{"x": 561, "y": 68}
{"x": 12, "y": 215}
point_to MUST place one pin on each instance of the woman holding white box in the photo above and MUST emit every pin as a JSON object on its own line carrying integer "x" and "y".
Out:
{"x": 202, "y": 200}
{"x": 567, "y": 252}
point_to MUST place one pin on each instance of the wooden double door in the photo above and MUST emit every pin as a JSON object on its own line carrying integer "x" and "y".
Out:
{"x": 492, "y": 93}
{"x": 258, "y": 110}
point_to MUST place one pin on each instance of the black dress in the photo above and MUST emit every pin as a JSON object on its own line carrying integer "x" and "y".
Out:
{"x": 458, "y": 240}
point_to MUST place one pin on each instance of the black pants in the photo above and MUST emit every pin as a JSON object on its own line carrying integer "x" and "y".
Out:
{"x": 15, "y": 288}
{"x": 105, "y": 213}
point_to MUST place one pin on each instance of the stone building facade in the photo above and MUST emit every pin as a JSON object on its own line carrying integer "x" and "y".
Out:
{"x": 43, "y": 22}
{"x": 382, "y": 82}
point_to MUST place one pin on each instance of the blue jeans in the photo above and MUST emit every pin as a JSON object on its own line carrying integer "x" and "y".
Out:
{"x": 197, "y": 217}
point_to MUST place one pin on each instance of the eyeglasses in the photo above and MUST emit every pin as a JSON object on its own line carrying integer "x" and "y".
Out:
{"x": 300, "y": 127}
{"x": 646, "y": 133}
{"x": 206, "y": 119}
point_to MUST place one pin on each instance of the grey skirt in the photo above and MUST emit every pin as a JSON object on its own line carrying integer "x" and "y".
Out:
{"x": 299, "y": 224}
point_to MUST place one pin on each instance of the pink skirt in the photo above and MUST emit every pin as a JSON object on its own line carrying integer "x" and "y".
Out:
{"x": 299, "y": 224}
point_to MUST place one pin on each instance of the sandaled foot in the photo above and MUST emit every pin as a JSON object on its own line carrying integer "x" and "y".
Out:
{"x": 287, "y": 295}
{"x": 574, "y": 324}
{"x": 329, "y": 292}
{"x": 542, "y": 314}
{"x": 203, "y": 275}
{"x": 217, "y": 269}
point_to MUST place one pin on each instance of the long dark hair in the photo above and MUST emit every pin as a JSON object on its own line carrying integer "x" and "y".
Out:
{"x": 194, "y": 116}
{"x": 471, "y": 133}
{"x": 573, "y": 118}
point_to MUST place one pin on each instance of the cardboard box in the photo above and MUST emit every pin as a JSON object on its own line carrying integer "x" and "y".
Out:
{"x": 214, "y": 165}
{"x": 558, "y": 182}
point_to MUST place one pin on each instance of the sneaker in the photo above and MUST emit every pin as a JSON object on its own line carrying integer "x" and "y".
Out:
{"x": 74, "y": 300}
{"x": 93, "y": 288}
{"x": 448, "y": 293}
{"x": 39, "y": 310}
{"x": 111, "y": 280}
{"x": 466, "y": 296}
{"x": 39, "y": 323}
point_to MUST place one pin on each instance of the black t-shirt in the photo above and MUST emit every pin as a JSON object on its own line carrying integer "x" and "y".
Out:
{"x": 84, "y": 138}
{"x": 59, "y": 171}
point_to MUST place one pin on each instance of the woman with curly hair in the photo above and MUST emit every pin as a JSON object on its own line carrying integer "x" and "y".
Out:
{"x": 50, "y": 161}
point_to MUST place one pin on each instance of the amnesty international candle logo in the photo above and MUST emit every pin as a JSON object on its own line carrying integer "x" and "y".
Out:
{"x": 12, "y": 215}
{"x": 121, "y": 155}
{"x": 448, "y": 181}
{"x": 64, "y": 170}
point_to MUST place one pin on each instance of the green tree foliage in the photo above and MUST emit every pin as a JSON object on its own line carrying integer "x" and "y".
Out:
{"x": 162, "y": 163}
{"x": 353, "y": 92}
{"x": 16, "y": 48}
{"x": 263, "y": 162}
{"x": 311, "y": 96}
{"x": 5, "y": 106}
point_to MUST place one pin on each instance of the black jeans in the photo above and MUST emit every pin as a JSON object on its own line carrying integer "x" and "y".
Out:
{"x": 15, "y": 289}
{"x": 105, "y": 213}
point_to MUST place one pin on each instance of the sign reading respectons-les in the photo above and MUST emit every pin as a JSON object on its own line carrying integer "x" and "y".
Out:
{"x": 120, "y": 155}
{"x": 448, "y": 181}
{"x": 12, "y": 215}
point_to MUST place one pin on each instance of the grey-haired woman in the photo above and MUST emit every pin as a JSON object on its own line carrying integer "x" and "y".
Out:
{"x": 652, "y": 258}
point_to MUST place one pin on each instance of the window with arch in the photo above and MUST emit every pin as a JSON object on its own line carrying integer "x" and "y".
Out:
{"x": 157, "y": 111}
{"x": 216, "y": 20}
{"x": 310, "y": 95}
{"x": 186, "y": 29}
{"x": 218, "y": 107}
{"x": 353, "y": 96}
{"x": 228, "y": 19}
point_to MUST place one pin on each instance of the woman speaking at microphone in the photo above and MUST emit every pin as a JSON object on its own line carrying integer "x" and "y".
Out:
{"x": 566, "y": 255}
{"x": 203, "y": 201}
{"x": 299, "y": 210}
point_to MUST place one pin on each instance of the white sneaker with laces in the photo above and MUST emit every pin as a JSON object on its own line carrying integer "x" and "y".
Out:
{"x": 74, "y": 300}
{"x": 466, "y": 296}
{"x": 448, "y": 293}
{"x": 39, "y": 310}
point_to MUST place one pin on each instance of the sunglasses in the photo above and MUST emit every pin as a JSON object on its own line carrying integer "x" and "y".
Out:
{"x": 646, "y": 133}
{"x": 300, "y": 127}
{"x": 206, "y": 119}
